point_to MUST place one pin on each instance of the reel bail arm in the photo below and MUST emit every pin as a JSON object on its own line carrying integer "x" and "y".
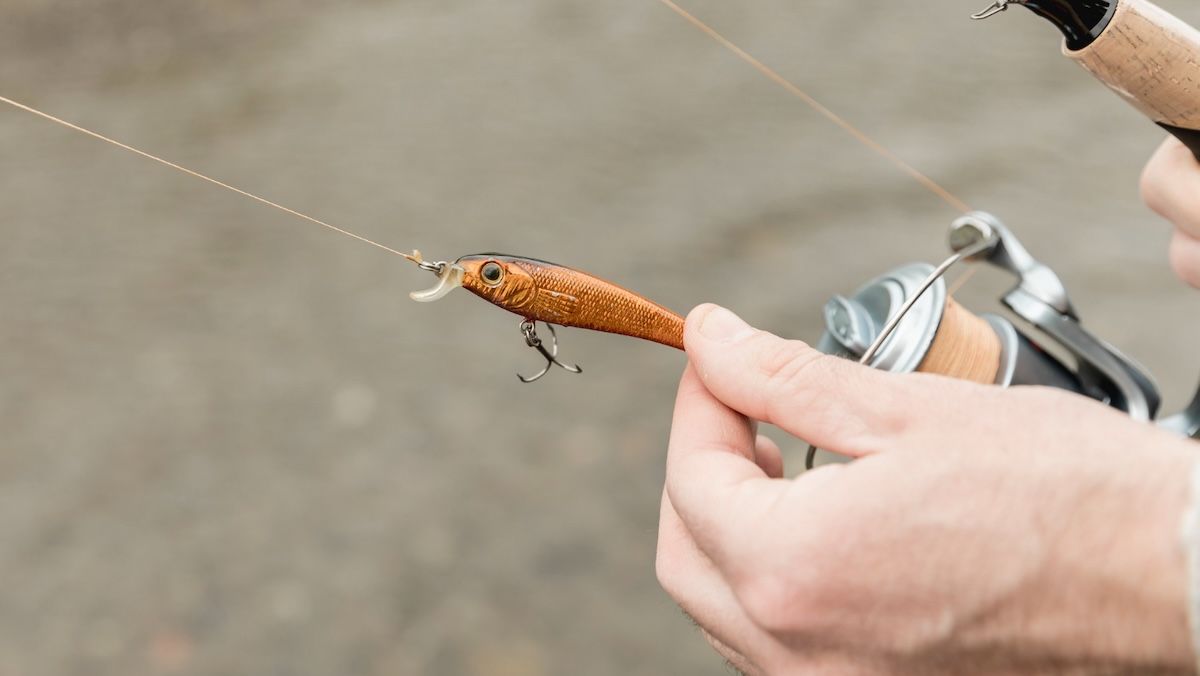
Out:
{"x": 1040, "y": 300}
{"x": 1043, "y": 343}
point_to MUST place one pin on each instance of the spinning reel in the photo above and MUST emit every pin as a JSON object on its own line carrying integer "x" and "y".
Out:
{"x": 909, "y": 321}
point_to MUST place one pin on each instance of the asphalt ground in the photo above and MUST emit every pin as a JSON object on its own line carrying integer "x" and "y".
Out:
{"x": 231, "y": 443}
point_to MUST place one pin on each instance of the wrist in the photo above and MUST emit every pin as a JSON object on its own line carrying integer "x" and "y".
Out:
{"x": 1132, "y": 563}
{"x": 1108, "y": 588}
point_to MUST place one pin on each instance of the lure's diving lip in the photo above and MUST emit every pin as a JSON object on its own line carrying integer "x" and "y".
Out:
{"x": 449, "y": 279}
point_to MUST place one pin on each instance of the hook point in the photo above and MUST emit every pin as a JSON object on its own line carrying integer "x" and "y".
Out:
{"x": 529, "y": 330}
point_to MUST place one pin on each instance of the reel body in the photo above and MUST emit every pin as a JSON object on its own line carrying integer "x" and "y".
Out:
{"x": 1043, "y": 342}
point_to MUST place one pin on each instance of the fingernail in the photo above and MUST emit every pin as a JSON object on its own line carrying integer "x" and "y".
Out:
{"x": 723, "y": 326}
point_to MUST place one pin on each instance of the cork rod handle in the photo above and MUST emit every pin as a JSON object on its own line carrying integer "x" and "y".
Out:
{"x": 1151, "y": 58}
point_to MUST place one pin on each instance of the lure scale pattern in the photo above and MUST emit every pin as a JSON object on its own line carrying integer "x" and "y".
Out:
{"x": 555, "y": 294}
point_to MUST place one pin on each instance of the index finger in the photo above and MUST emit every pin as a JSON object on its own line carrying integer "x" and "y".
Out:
{"x": 713, "y": 482}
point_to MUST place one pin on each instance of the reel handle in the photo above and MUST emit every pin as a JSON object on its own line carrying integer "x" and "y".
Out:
{"x": 1150, "y": 58}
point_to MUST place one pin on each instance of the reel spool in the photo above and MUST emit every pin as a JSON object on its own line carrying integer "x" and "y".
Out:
{"x": 1044, "y": 342}
{"x": 936, "y": 336}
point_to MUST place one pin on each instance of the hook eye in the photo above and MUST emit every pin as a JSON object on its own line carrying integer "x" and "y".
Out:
{"x": 449, "y": 279}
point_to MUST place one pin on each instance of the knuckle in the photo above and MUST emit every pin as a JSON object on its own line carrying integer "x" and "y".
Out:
{"x": 767, "y": 600}
{"x": 1187, "y": 219}
{"x": 862, "y": 407}
{"x": 1043, "y": 401}
{"x": 666, "y": 569}
{"x": 667, "y": 561}
{"x": 788, "y": 367}
{"x": 1168, "y": 186}
{"x": 781, "y": 604}
{"x": 786, "y": 597}
{"x": 892, "y": 413}
{"x": 1151, "y": 186}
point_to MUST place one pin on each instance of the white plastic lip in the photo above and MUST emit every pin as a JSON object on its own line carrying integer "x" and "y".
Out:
{"x": 450, "y": 278}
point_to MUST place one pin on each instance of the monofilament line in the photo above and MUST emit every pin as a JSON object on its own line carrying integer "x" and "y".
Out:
{"x": 931, "y": 185}
{"x": 200, "y": 176}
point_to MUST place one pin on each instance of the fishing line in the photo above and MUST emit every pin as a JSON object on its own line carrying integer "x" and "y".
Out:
{"x": 876, "y": 147}
{"x": 962, "y": 280}
{"x": 198, "y": 175}
{"x": 956, "y": 351}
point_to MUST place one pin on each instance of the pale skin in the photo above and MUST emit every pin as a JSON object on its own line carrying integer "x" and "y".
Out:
{"x": 979, "y": 530}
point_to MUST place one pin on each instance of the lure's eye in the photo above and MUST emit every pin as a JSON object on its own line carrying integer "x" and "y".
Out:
{"x": 491, "y": 273}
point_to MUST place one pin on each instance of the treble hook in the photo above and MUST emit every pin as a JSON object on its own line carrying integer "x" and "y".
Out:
{"x": 529, "y": 330}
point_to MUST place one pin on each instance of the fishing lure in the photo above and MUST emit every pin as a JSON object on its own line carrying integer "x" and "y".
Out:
{"x": 540, "y": 291}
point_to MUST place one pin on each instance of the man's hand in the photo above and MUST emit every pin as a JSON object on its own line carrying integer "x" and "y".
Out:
{"x": 1171, "y": 186}
{"x": 980, "y": 530}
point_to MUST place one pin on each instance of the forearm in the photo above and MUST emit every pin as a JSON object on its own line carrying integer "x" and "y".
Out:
{"x": 1115, "y": 591}
{"x": 1102, "y": 587}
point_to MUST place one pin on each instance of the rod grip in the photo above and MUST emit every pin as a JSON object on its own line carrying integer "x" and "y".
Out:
{"x": 1150, "y": 58}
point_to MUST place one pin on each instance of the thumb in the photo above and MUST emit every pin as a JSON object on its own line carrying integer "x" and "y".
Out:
{"x": 827, "y": 401}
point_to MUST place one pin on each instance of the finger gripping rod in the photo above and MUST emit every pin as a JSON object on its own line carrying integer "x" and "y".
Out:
{"x": 1145, "y": 54}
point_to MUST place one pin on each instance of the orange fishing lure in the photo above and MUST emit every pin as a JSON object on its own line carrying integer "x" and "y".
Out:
{"x": 539, "y": 291}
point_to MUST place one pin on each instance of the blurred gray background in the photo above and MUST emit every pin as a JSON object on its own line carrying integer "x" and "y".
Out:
{"x": 232, "y": 445}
